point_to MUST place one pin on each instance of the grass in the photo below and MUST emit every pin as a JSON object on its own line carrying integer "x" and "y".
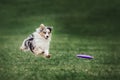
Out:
{"x": 63, "y": 64}
{"x": 88, "y": 27}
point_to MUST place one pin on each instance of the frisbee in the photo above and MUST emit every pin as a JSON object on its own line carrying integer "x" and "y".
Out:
{"x": 84, "y": 56}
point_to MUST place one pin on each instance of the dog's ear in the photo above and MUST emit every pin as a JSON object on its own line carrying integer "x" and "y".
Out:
{"x": 42, "y": 26}
{"x": 50, "y": 28}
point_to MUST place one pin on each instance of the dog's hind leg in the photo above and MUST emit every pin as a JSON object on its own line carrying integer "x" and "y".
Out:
{"x": 38, "y": 51}
{"x": 24, "y": 46}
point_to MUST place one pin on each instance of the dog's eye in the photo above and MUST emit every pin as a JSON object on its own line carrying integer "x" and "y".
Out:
{"x": 44, "y": 32}
{"x": 48, "y": 32}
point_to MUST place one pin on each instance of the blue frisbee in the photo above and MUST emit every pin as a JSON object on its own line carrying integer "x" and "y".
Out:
{"x": 84, "y": 56}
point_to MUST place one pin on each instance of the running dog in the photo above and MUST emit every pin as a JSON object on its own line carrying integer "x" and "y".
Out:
{"x": 39, "y": 41}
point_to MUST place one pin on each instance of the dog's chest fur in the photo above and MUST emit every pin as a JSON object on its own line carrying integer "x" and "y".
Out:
{"x": 40, "y": 41}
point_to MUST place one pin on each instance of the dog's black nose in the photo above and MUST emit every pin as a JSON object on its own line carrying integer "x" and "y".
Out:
{"x": 47, "y": 36}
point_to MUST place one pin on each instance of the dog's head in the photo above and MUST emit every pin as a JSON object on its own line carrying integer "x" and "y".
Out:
{"x": 45, "y": 31}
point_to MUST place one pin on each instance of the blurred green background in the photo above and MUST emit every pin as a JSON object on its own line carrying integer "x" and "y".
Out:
{"x": 80, "y": 26}
{"x": 94, "y": 18}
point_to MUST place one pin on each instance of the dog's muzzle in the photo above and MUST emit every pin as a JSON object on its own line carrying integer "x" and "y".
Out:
{"x": 46, "y": 37}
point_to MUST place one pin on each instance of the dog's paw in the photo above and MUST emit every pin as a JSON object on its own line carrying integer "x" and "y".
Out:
{"x": 48, "y": 56}
{"x": 23, "y": 49}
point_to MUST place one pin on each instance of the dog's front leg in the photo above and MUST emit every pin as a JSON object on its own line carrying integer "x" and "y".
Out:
{"x": 46, "y": 54}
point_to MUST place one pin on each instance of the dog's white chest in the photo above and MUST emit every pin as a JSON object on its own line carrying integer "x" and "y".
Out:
{"x": 41, "y": 42}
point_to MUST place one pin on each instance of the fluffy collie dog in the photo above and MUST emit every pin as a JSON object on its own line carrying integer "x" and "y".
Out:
{"x": 39, "y": 41}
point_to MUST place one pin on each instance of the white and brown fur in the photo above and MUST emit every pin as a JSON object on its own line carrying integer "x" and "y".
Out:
{"x": 39, "y": 41}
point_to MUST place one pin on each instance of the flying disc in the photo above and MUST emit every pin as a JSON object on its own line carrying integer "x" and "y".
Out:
{"x": 84, "y": 56}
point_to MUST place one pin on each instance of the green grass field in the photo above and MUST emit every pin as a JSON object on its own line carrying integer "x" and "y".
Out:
{"x": 80, "y": 26}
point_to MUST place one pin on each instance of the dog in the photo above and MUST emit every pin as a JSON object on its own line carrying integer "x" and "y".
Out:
{"x": 39, "y": 41}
